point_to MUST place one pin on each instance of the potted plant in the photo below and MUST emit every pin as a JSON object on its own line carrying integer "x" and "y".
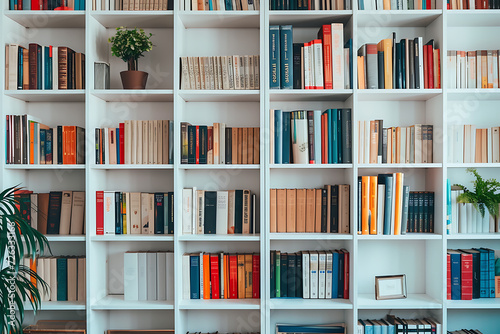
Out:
{"x": 18, "y": 284}
{"x": 130, "y": 45}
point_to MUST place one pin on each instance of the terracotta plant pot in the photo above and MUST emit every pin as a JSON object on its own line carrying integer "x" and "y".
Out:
{"x": 134, "y": 79}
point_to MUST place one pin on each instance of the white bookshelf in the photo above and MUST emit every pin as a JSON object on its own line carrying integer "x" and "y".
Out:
{"x": 178, "y": 33}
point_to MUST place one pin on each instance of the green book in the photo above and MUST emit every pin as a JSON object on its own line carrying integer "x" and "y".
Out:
{"x": 62, "y": 279}
{"x": 277, "y": 273}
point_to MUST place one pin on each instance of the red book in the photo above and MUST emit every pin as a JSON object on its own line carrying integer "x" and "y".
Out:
{"x": 466, "y": 276}
{"x": 45, "y": 5}
{"x": 214, "y": 273}
{"x": 122, "y": 143}
{"x": 197, "y": 145}
{"x": 309, "y": 5}
{"x": 210, "y": 142}
{"x": 325, "y": 33}
{"x": 486, "y": 4}
{"x": 479, "y": 4}
{"x": 430, "y": 66}
{"x": 35, "y": 5}
{"x": 448, "y": 277}
{"x": 346, "y": 273}
{"x": 255, "y": 276}
{"x": 426, "y": 68}
{"x": 99, "y": 208}
{"x": 438, "y": 84}
{"x": 233, "y": 276}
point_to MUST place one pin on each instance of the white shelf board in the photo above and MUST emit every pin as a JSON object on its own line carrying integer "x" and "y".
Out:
{"x": 473, "y": 18}
{"x": 63, "y": 95}
{"x": 44, "y": 167}
{"x": 308, "y": 18}
{"x": 220, "y": 304}
{"x": 405, "y": 166}
{"x": 473, "y": 236}
{"x": 210, "y": 166}
{"x": 58, "y": 306}
{"x": 116, "y": 302}
{"x": 310, "y": 304}
{"x": 310, "y": 166}
{"x": 473, "y": 165}
{"x": 479, "y": 94}
{"x": 481, "y": 303}
{"x": 398, "y": 94}
{"x": 220, "y": 19}
{"x": 220, "y": 95}
{"x": 408, "y": 236}
{"x": 309, "y": 94}
{"x": 218, "y": 237}
{"x": 132, "y": 237}
{"x": 413, "y": 301}
{"x": 134, "y": 95}
{"x": 65, "y": 238}
{"x": 397, "y": 18}
{"x": 143, "y": 19}
{"x": 309, "y": 236}
{"x": 48, "y": 18}
{"x": 132, "y": 167}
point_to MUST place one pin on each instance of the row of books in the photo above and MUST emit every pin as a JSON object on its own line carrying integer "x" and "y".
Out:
{"x": 472, "y": 69}
{"x": 31, "y": 142}
{"x": 221, "y": 5}
{"x": 395, "y": 324}
{"x": 405, "y": 144}
{"x": 470, "y": 274}
{"x": 134, "y": 5}
{"x": 134, "y": 212}
{"x": 136, "y": 142}
{"x": 57, "y": 212}
{"x": 468, "y": 144}
{"x": 338, "y": 328}
{"x": 43, "y": 67}
{"x": 473, "y": 4}
{"x": 466, "y": 331}
{"x": 396, "y": 4}
{"x": 219, "y": 144}
{"x": 221, "y": 276}
{"x": 148, "y": 275}
{"x": 310, "y": 274}
{"x": 219, "y": 212}
{"x": 220, "y": 72}
{"x": 310, "y": 137}
{"x": 408, "y": 64}
{"x": 323, "y": 210}
{"x": 310, "y": 5}
{"x": 322, "y": 63}
{"x": 65, "y": 277}
{"x": 46, "y": 4}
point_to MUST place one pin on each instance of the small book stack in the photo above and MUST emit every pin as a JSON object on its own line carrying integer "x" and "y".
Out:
{"x": 473, "y": 4}
{"x": 323, "y": 210}
{"x": 324, "y": 329}
{"x": 136, "y": 142}
{"x": 134, "y": 5}
{"x": 310, "y": 274}
{"x": 219, "y": 212}
{"x": 43, "y": 67}
{"x": 470, "y": 274}
{"x": 148, "y": 276}
{"x": 221, "y": 276}
{"x": 473, "y": 69}
{"x": 467, "y": 144}
{"x": 57, "y": 212}
{"x": 134, "y": 213}
{"x": 310, "y": 5}
{"x": 31, "y": 142}
{"x": 396, "y": 5}
{"x": 64, "y": 275}
{"x": 220, "y": 72}
{"x": 310, "y": 137}
{"x": 46, "y": 4}
{"x": 401, "y": 144}
{"x": 318, "y": 64}
{"x": 220, "y": 5}
{"x": 395, "y": 324}
{"x": 466, "y": 331}
{"x": 408, "y": 64}
{"x": 219, "y": 144}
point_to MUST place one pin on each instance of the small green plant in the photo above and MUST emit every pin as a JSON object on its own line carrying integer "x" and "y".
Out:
{"x": 130, "y": 45}
{"x": 486, "y": 194}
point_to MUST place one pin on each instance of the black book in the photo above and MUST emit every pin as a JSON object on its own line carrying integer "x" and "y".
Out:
{"x": 384, "y": 133}
{"x": 310, "y": 134}
{"x": 39, "y": 79}
{"x": 238, "y": 211}
{"x": 339, "y": 136}
{"x": 171, "y": 212}
{"x": 431, "y": 212}
{"x": 284, "y": 275}
{"x": 60, "y": 146}
{"x": 346, "y": 136}
{"x": 229, "y": 146}
{"x": 191, "y": 144}
{"x": 203, "y": 143}
{"x": 54, "y": 216}
{"x": 25, "y": 144}
{"x": 80, "y": 145}
{"x": 426, "y": 212}
{"x": 170, "y": 5}
{"x": 324, "y": 209}
{"x": 97, "y": 146}
{"x": 334, "y": 209}
{"x": 410, "y": 213}
{"x": 20, "y": 68}
{"x": 399, "y": 77}
{"x": 297, "y": 65}
{"x": 380, "y": 59}
{"x": 272, "y": 274}
{"x": 159, "y": 213}
{"x": 210, "y": 212}
{"x": 291, "y": 275}
{"x": 411, "y": 63}
{"x": 118, "y": 212}
{"x": 403, "y": 63}
{"x": 298, "y": 274}
{"x": 340, "y": 293}
{"x": 416, "y": 62}
{"x": 420, "y": 196}
{"x": 380, "y": 137}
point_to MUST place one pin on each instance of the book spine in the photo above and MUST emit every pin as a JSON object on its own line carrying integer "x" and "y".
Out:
{"x": 286, "y": 56}
{"x": 274, "y": 57}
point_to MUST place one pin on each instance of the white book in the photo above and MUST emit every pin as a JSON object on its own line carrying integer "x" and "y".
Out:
{"x": 478, "y": 69}
{"x": 471, "y": 218}
{"x": 479, "y": 222}
{"x": 328, "y": 274}
{"x": 367, "y": 142}
{"x": 201, "y": 275}
{"x": 310, "y": 65}
{"x": 490, "y": 67}
{"x": 313, "y": 278}
{"x": 347, "y": 73}
{"x": 222, "y": 143}
{"x": 458, "y": 143}
{"x": 161, "y": 276}
{"x": 194, "y": 214}
{"x": 143, "y": 281}
{"x": 12, "y": 60}
{"x": 131, "y": 276}
{"x": 462, "y": 218}
{"x": 300, "y": 147}
{"x": 467, "y": 142}
{"x": 305, "y": 275}
{"x": 486, "y": 222}
{"x": 421, "y": 61}
{"x": 491, "y": 227}
{"x": 393, "y": 199}
{"x": 53, "y": 278}
{"x": 379, "y": 5}
{"x": 471, "y": 70}
{"x": 318, "y": 64}
{"x": 106, "y": 145}
{"x": 472, "y": 143}
{"x": 488, "y": 143}
{"x": 186, "y": 276}
{"x": 463, "y": 71}
{"x": 454, "y": 210}
{"x": 317, "y": 136}
{"x": 55, "y": 75}
{"x": 230, "y": 211}
{"x": 40, "y": 270}
{"x": 361, "y": 142}
{"x": 151, "y": 275}
{"x": 109, "y": 212}
{"x": 495, "y": 141}
{"x": 170, "y": 275}
{"x": 46, "y": 278}
{"x": 139, "y": 144}
{"x": 236, "y": 71}
{"x": 402, "y": 151}
{"x": 452, "y": 69}
{"x": 307, "y": 79}
{"x": 380, "y": 208}
{"x": 338, "y": 55}
{"x": 222, "y": 212}
{"x": 271, "y": 137}
{"x": 200, "y": 205}
{"x": 187, "y": 210}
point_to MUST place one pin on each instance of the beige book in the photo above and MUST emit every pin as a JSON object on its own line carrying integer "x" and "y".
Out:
{"x": 77, "y": 213}
{"x": 138, "y": 145}
{"x": 477, "y": 158}
{"x": 159, "y": 145}
{"x": 248, "y": 276}
{"x": 430, "y": 143}
{"x": 156, "y": 5}
{"x": 244, "y": 5}
{"x": 72, "y": 279}
{"x": 418, "y": 143}
{"x": 137, "y": 5}
{"x": 125, "y": 4}
{"x": 216, "y": 72}
{"x": 222, "y": 143}
{"x": 145, "y": 142}
{"x": 200, "y": 205}
{"x": 197, "y": 76}
{"x": 230, "y": 211}
{"x": 219, "y": 72}
{"x": 155, "y": 142}
{"x": 484, "y": 145}
{"x": 191, "y": 71}
{"x": 234, "y": 149}
{"x": 165, "y": 143}
{"x": 246, "y": 211}
{"x": 53, "y": 279}
{"x": 318, "y": 205}
{"x": 128, "y": 143}
{"x": 310, "y": 210}
{"x": 151, "y": 212}
{"x": 82, "y": 290}
{"x": 273, "y": 207}
{"x": 256, "y": 146}
{"x": 135, "y": 213}
{"x": 133, "y": 147}
{"x": 374, "y": 133}
{"x": 344, "y": 209}
{"x": 495, "y": 144}
{"x": 225, "y": 76}
{"x": 249, "y": 145}
{"x": 211, "y": 76}
{"x": 281, "y": 210}
{"x": 256, "y": 69}
{"x": 230, "y": 72}
{"x": 242, "y": 73}
{"x": 151, "y": 138}
{"x": 246, "y": 65}
{"x": 301, "y": 210}
{"x": 424, "y": 143}
{"x": 240, "y": 145}
{"x": 194, "y": 5}
{"x": 241, "y": 273}
{"x": 251, "y": 74}
{"x": 236, "y": 71}
{"x": 291, "y": 210}
{"x": 65, "y": 223}
{"x": 244, "y": 147}
{"x": 145, "y": 213}
{"x": 185, "y": 83}
{"x": 408, "y": 145}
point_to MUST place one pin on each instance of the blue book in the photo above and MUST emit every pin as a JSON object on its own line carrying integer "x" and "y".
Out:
{"x": 278, "y": 136}
{"x": 390, "y": 327}
{"x": 483, "y": 274}
{"x": 20, "y": 68}
{"x": 309, "y": 329}
{"x": 26, "y": 4}
{"x": 286, "y": 137}
{"x": 117, "y": 145}
{"x": 210, "y": 7}
{"x": 47, "y": 67}
{"x": 424, "y": 5}
{"x": 229, "y": 5}
{"x": 368, "y": 326}
{"x": 339, "y": 136}
{"x": 43, "y": 135}
{"x": 274, "y": 57}
{"x": 335, "y": 274}
{"x": 455, "y": 275}
{"x": 403, "y": 62}
{"x": 286, "y": 54}
{"x": 62, "y": 279}
{"x": 82, "y": 5}
{"x": 361, "y": 5}
{"x": 48, "y": 147}
{"x": 77, "y": 4}
{"x": 491, "y": 272}
{"x": 332, "y": 117}
{"x": 328, "y": 135}
{"x": 340, "y": 292}
{"x": 377, "y": 328}
{"x": 348, "y": 45}
{"x": 118, "y": 210}
{"x": 194, "y": 274}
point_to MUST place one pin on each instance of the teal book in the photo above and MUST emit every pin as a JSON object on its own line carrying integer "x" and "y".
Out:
{"x": 194, "y": 278}
{"x": 62, "y": 279}
{"x": 274, "y": 57}
{"x": 286, "y": 54}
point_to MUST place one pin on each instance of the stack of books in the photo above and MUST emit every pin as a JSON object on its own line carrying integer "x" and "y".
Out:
{"x": 395, "y": 324}
{"x": 466, "y": 331}
{"x": 310, "y": 5}
{"x": 148, "y": 276}
{"x": 405, "y": 144}
{"x": 220, "y": 72}
{"x": 468, "y": 144}
{"x": 219, "y": 212}
{"x": 325, "y": 329}
{"x": 472, "y": 69}
{"x": 219, "y": 144}
{"x": 46, "y": 5}
{"x": 408, "y": 64}
{"x": 134, "y": 212}
{"x": 136, "y": 142}
{"x": 472, "y": 4}
{"x": 322, "y": 63}
{"x": 396, "y": 5}
{"x": 221, "y": 5}
{"x": 29, "y": 142}
{"x": 221, "y": 276}
{"x": 311, "y": 137}
{"x": 134, "y": 5}
{"x": 311, "y": 210}
{"x": 310, "y": 274}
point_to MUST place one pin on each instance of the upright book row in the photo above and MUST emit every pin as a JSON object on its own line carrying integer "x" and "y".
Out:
{"x": 396, "y": 4}
{"x": 46, "y": 4}
{"x": 473, "y": 4}
{"x": 472, "y": 69}
{"x": 310, "y": 5}
{"x": 113, "y": 5}
{"x": 220, "y": 5}
{"x": 468, "y": 144}
{"x": 393, "y": 324}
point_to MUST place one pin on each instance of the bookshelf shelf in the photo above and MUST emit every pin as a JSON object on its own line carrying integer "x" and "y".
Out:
{"x": 397, "y": 18}
{"x": 59, "y": 306}
{"x": 481, "y": 94}
{"x": 481, "y": 303}
{"x": 402, "y": 166}
{"x": 309, "y": 236}
{"x": 218, "y": 238}
{"x": 132, "y": 167}
{"x": 209, "y": 166}
{"x": 408, "y": 236}
{"x": 45, "y": 167}
{"x": 70, "y": 95}
{"x": 66, "y": 238}
{"x": 473, "y": 165}
{"x": 131, "y": 95}
{"x": 216, "y": 19}
{"x": 117, "y": 302}
{"x": 398, "y": 94}
{"x": 309, "y": 18}
{"x": 296, "y": 95}
{"x": 48, "y": 18}
{"x": 143, "y": 19}
{"x": 310, "y": 166}
{"x": 133, "y": 237}
{"x": 413, "y": 301}
{"x": 473, "y": 236}
{"x": 220, "y": 304}
{"x": 473, "y": 18}
{"x": 219, "y": 95}
{"x": 310, "y": 304}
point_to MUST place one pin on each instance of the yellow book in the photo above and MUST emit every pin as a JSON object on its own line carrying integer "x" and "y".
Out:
{"x": 365, "y": 204}
{"x": 373, "y": 204}
{"x": 385, "y": 45}
{"x": 398, "y": 210}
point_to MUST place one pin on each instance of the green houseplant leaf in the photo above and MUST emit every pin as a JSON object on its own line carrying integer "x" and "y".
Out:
{"x": 486, "y": 194}
{"x": 130, "y": 44}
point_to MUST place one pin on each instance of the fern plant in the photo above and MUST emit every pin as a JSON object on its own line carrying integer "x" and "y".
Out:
{"x": 486, "y": 194}
{"x": 17, "y": 240}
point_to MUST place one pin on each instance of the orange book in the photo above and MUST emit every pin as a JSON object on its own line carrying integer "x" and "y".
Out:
{"x": 256, "y": 146}
{"x": 387, "y": 5}
{"x": 301, "y": 211}
{"x": 240, "y": 145}
{"x": 273, "y": 206}
{"x": 437, "y": 69}
{"x": 250, "y": 145}
{"x": 361, "y": 72}
{"x": 241, "y": 275}
{"x": 206, "y": 276}
{"x": 310, "y": 209}
{"x": 477, "y": 158}
{"x": 72, "y": 145}
{"x": 385, "y": 45}
{"x": 244, "y": 149}
{"x": 484, "y": 145}
{"x": 318, "y": 203}
{"x": 33, "y": 268}
{"x": 225, "y": 276}
{"x": 216, "y": 143}
{"x": 291, "y": 210}
{"x": 374, "y": 133}
{"x": 65, "y": 134}
{"x": 281, "y": 210}
{"x": 32, "y": 142}
{"x": 398, "y": 200}
{"x": 365, "y": 204}
{"x": 373, "y": 204}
